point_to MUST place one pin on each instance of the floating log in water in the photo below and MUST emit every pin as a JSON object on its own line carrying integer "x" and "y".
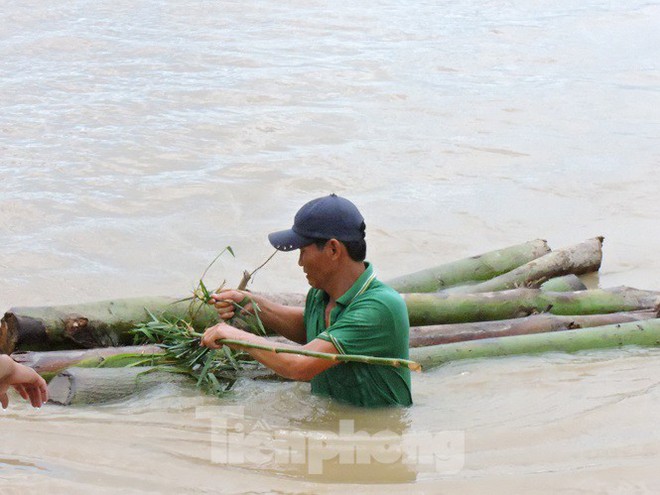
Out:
{"x": 45, "y": 363}
{"x": 87, "y": 325}
{"x": 582, "y": 258}
{"x": 460, "y": 332}
{"x": 439, "y": 308}
{"x": 473, "y": 269}
{"x": 640, "y": 333}
{"x": 76, "y": 386}
{"x": 102, "y": 323}
{"x": 566, "y": 283}
{"x": 98, "y": 385}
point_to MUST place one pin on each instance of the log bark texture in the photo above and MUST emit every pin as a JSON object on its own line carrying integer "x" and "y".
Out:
{"x": 473, "y": 269}
{"x": 440, "y": 308}
{"x": 582, "y": 258}
{"x": 641, "y": 333}
{"x": 540, "y": 323}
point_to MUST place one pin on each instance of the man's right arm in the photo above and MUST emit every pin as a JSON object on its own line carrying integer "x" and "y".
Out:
{"x": 288, "y": 321}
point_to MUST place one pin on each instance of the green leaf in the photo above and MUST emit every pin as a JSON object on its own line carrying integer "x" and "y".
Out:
{"x": 230, "y": 356}
{"x": 214, "y": 385}
{"x": 205, "y": 291}
{"x": 206, "y": 368}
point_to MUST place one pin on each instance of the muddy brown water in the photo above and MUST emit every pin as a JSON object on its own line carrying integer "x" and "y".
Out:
{"x": 137, "y": 139}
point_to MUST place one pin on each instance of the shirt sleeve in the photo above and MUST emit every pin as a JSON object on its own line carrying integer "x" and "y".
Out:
{"x": 366, "y": 327}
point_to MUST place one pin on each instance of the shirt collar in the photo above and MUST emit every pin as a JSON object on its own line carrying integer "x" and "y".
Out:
{"x": 359, "y": 286}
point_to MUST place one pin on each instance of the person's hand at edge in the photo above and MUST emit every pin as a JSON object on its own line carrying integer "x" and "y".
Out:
{"x": 26, "y": 381}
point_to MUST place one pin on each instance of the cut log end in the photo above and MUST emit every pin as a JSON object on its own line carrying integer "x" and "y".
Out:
{"x": 8, "y": 335}
{"x": 61, "y": 389}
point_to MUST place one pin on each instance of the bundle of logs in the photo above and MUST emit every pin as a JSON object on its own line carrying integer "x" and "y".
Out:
{"x": 518, "y": 300}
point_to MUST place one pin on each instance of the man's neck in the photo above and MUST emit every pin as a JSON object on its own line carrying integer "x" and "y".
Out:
{"x": 344, "y": 279}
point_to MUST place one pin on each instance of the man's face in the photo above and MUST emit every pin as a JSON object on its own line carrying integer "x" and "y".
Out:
{"x": 316, "y": 265}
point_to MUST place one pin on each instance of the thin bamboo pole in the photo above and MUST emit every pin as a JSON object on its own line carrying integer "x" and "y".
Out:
{"x": 356, "y": 358}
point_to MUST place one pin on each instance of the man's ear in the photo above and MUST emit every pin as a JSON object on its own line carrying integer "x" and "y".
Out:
{"x": 334, "y": 247}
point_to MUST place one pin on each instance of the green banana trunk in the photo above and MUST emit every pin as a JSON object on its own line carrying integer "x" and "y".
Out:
{"x": 539, "y": 323}
{"x": 566, "y": 283}
{"x": 641, "y": 333}
{"x": 582, "y": 258}
{"x": 434, "y": 309}
{"x": 95, "y": 324}
{"x": 473, "y": 269}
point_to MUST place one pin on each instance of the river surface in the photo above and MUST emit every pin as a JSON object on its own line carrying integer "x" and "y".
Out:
{"x": 138, "y": 139}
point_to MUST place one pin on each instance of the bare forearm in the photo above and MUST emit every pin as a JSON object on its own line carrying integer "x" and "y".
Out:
{"x": 285, "y": 365}
{"x": 293, "y": 366}
{"x": 285, "y": 320}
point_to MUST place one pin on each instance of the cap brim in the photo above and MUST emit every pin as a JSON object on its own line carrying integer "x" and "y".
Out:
{"x": 288, "y": 240}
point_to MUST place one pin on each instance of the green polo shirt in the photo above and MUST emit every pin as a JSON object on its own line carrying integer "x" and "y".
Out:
{"x": 370, "y": 319}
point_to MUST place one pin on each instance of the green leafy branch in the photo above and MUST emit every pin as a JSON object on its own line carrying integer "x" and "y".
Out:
{"x": 214, "y": 371}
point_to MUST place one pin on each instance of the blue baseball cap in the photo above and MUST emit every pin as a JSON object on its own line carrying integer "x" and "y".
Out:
{"x": 329, "y": 217}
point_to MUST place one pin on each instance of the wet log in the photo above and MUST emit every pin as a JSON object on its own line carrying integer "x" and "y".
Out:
{"x": 566, "y": 283}
{"x": 49, "y": 362}
{"x": 440, "y": 308}
{"x": 540, "y": 323}
{"x": 473, "y": 269}
{"x": 88, "y": 325}
{"x": 51, "y": 328}
{"x": 100, "y": 385}
{"x": 640, "y": 333}
{"x": 78, "y": 386}
{"x": 585, "y": 257}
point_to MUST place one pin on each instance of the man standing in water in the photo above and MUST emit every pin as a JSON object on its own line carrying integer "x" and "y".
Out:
{"x": 347, "y": 311}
